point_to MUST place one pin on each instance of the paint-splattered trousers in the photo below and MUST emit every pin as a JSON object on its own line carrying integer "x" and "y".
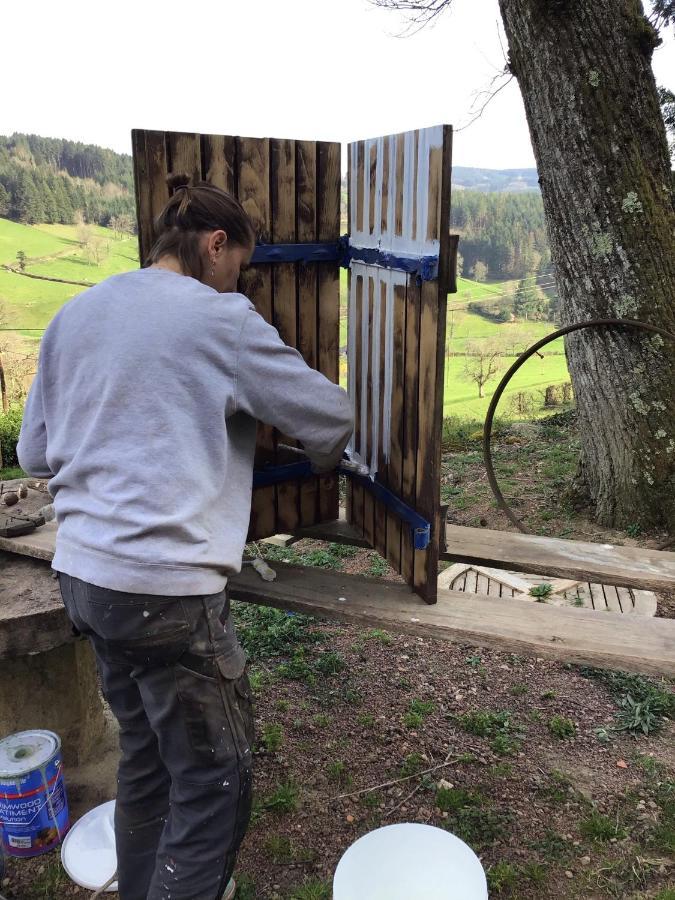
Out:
{"x": 173, "y": 673}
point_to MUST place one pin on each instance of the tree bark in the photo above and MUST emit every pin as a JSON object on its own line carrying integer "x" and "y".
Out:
{"x": 584, "y": 69}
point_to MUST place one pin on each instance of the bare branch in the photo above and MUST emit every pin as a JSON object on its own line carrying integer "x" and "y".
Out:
{"x": 491, "y": 95}
{"x": 419, "y": 13}
{"x": 505, "y": 55}
{"x": 376, "y": 787}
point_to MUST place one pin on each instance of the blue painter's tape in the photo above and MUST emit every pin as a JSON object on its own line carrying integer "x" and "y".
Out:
{"x": 324, "y": 251}
{"x": 421, "y": 528}
{"x": 279, "y": 474}
{"x": 424, "y": 267}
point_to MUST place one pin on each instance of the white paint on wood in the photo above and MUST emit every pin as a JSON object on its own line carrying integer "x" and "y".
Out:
{"x": 448, "y": 576}
{"x": 412, "y": 242}
{"x": 371, "y": 351}
{"x": 388, "y": 367}
{"x": 415, "y": 197}
{"x": 365, "y": 362}
{"x": 643, "y": 603}
{"x": 375, "y": 374}
{"x": 612, "y": 598}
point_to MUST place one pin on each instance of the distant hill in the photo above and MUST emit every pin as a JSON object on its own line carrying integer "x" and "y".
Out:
{"x": 495, "y": 180}
{"x": 505, "y": 231}
{"x": 55, "y": 181}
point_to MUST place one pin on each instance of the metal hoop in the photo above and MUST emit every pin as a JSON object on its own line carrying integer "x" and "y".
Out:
{"x": 487, "y": 432}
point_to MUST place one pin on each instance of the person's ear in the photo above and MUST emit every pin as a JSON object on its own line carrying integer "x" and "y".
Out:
{"x": 218, "y": 241}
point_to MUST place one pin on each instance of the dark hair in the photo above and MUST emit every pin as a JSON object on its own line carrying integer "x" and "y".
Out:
{"x": 191, "y": 210}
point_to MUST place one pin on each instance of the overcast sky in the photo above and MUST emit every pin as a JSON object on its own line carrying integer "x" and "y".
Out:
{"x": 91, "y": 70}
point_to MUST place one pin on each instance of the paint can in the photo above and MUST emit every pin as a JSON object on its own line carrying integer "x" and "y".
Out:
{"x": 33, "y": 804}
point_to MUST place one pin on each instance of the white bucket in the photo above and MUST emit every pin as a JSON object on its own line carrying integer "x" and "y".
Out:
{"x": 88, "y": 852}
{"x": 409, "y": 862}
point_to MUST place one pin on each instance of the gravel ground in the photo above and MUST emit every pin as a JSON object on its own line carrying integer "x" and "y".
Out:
{"x": 554, "y": 809}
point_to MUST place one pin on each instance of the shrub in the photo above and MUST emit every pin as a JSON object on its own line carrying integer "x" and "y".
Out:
{"x": 272, "y": 736}
{"x": 562, "y": 728}
{"x": 10, "y": 426}
{"x": 558, "y": 394}
{"x": 464, "y": 434}
{"x": 523, "y": 403}
{"x": 553, "y": 395}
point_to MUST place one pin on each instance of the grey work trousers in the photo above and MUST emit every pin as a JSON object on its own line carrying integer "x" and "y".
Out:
{"x": 173, "y": 673}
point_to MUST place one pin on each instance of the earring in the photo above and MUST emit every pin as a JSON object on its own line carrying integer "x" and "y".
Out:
{"x": 213, "y": 268}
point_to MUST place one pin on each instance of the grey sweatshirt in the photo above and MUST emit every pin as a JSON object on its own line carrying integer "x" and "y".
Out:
{"x": 143, "y": 413}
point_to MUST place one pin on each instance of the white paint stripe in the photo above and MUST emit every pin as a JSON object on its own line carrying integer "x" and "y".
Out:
{"x": 422, "y": 198}
{"x": 351, "y": 351}
{"x": 375, "y": 357}
{"x": 365, "y": 362}
{"x": 366, "y": 187}
{"x": 387, "y": 241}
{"x": 407, "y": 186}
{"x": 378, "y": 189}
{"x": 353, "y": 188}
{"x": 388, "y": 360}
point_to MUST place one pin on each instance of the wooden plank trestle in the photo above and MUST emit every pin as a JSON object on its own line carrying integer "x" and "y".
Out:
{"x": 633, "y": 643}
{"x": 581, "y": 636}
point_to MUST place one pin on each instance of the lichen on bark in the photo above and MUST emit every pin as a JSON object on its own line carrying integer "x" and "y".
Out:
{"x": 584, "y": 69}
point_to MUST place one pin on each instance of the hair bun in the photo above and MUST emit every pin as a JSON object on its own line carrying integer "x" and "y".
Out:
{"x": 177, "y": 180}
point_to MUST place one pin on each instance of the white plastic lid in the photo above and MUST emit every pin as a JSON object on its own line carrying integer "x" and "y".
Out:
{"x": 409, "y": 862}
{"x": 26, "y": 750}
{"x": 88, "y": 851}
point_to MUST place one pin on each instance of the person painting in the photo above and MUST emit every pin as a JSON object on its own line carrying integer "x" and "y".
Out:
{"x": 143, "y": 416}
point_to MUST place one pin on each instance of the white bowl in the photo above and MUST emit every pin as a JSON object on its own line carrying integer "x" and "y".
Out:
{"x": 88, "y": 851}
{"x": 409, "y": 862}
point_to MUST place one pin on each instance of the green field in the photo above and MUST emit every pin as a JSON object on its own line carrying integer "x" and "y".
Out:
{"x": 34, "y": 240}
{"x": 55, "y": 251}
{"x": 461, "y": 395}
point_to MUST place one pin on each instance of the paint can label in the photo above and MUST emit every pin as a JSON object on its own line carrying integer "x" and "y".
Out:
{"x": 34, "y": 810}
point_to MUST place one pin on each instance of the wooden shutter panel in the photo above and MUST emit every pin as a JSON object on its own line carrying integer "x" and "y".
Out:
{"x": 291, "y": 191}
{"x": 399, "y": 192}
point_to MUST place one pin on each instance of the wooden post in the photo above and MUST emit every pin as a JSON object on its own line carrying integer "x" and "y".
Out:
{"x": 3, "y": 391}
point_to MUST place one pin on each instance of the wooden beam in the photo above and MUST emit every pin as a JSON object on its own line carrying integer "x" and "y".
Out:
{"x": 573, "y": 635}
{"x": 339, "y": 531}
{"x": 650, "y": 570}
{"x": 608, "y": 639}
{"x": 39, "y": 544}
{"x": 32, "y": 615}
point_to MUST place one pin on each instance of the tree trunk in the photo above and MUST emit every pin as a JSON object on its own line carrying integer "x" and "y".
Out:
{"x": 584, "y": 69}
